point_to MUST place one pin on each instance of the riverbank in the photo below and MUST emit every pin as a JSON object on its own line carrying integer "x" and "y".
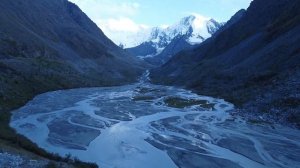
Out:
{"x": 19, "y": 142}
{"x": 15, "y": 92}
{"x": 14, "y": 145}
{"x": 143, "y": 123}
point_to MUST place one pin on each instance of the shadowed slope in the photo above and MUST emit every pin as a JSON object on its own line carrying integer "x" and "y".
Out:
{"x": 253, "y": 62}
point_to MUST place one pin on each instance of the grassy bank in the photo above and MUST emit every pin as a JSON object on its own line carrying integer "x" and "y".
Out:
{"x": 15, "y": 91}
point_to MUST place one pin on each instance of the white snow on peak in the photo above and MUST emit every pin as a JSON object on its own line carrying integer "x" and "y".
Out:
{"x": 197, "y": 28}
{"x": 194, "y": 24}
{"x": 200, "y": 28}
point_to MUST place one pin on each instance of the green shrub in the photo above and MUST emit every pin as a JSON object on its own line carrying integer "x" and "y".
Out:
{"x": 51, "y": 165}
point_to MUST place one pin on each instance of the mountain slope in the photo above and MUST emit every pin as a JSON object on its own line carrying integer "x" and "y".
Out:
{"x": 191, "y": 30}
{"x": 253, "y": 62}
{"x": 48, "y": 45}
{"x": 179, "y": 43}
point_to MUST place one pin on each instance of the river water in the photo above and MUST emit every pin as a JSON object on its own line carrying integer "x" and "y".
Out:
{"x": 145, "y": 126}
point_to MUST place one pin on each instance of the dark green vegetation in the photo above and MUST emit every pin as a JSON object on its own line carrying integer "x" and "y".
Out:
{"x": 51, "y": 45}
{"x": 143, "y": 98}
{"x": 147, "y": 94}
{"x": 144, "y": 90}
{"x": 178, "y": 102}
{"x": 253, "y": 62}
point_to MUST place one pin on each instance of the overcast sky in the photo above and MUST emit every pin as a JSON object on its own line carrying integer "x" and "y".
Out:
{"x": 132, "y": 15}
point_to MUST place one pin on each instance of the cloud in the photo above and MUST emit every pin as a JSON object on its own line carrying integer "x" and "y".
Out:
{"x": 122, "y": 24}
{"x": 123, "y": 9}
{"x": 164, "y": 26}
{"x": 113, "y": 17}
{"x": 122, "y": 30}
{"x": 107, "y": 8}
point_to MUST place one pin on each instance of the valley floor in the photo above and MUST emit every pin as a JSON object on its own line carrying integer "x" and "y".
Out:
{"x": 145, "y": 125}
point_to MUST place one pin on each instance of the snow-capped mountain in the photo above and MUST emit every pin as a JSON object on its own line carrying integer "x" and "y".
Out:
{"x": 194, "y": 29}
{"x": 197, "y": 28}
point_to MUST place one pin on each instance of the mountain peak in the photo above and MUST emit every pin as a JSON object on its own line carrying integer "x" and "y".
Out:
{"x": 194, "y": 20}
{"x": 189, "y": 31}
{"x": 188, "y": 20}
